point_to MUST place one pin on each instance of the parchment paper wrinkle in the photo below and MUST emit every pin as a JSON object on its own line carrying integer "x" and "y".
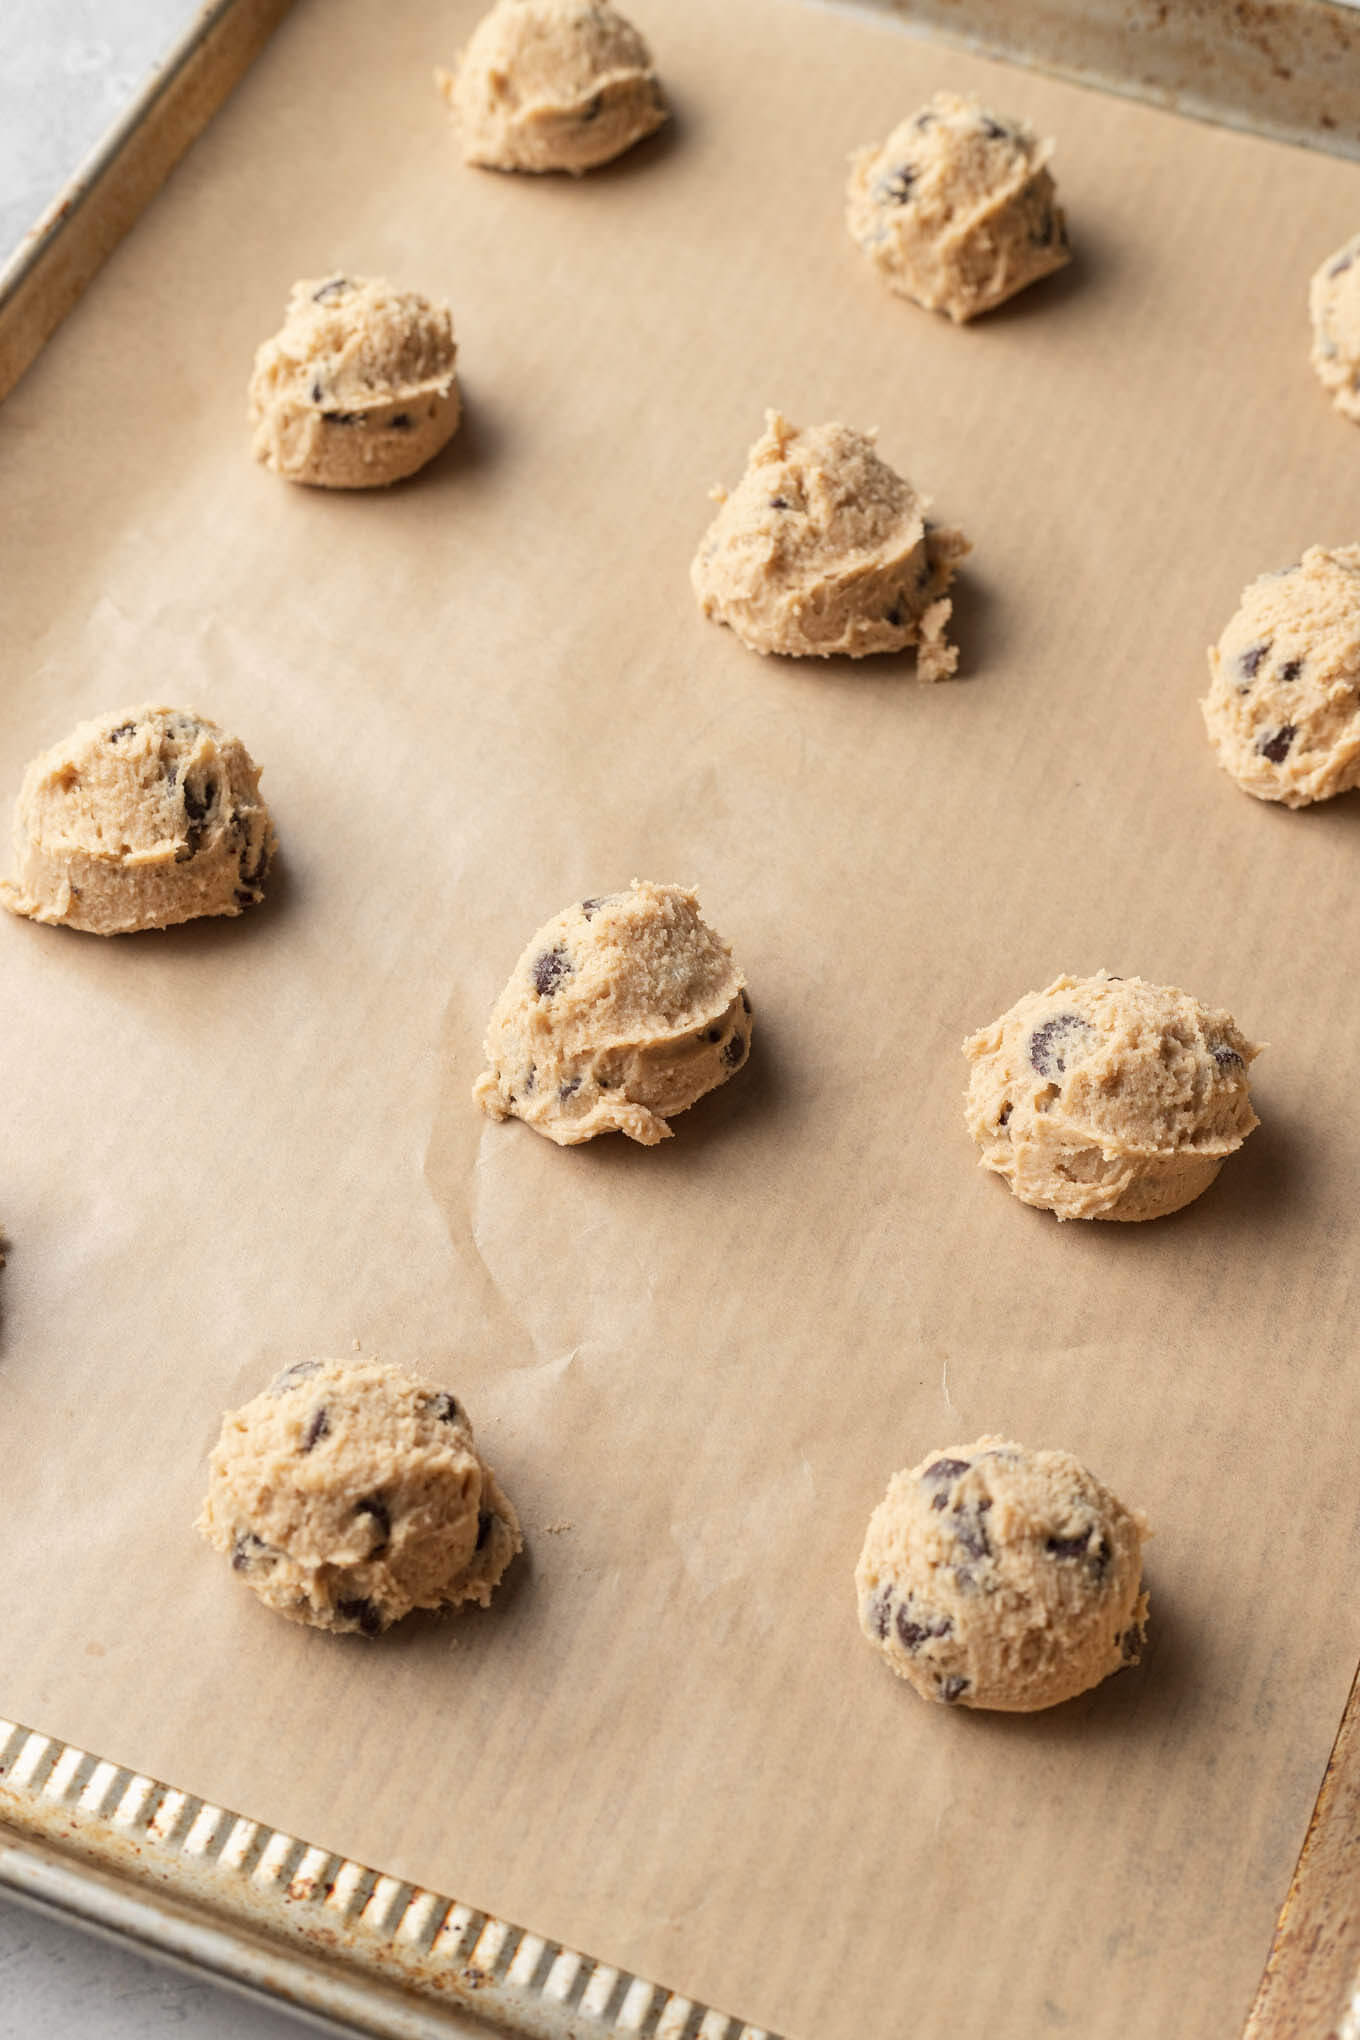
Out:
{"x": 487, "y": 692}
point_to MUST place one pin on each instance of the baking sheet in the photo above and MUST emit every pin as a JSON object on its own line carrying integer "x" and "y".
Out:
{"x": 488, "y": 693}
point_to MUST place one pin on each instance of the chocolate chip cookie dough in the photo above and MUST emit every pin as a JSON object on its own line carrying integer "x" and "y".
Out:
{"x": 1105, "y": 1097}
{"x": 622, "y": 1012}
{"x": 553, "y": 85}
{"x": 1334, "y": 304}
{"x": 823, "y": 549}
{"x": 1283, "y": 707}
{"x": 350, "y": 1492}
{"x": 358, "y": 387}
{"x": 993, "y": 1576}
{"x": 141, "y": 819}
{"x": 957, "y": 209}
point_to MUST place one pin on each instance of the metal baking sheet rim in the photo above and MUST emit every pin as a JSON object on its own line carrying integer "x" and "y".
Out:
{"x": 277, "y": 1917}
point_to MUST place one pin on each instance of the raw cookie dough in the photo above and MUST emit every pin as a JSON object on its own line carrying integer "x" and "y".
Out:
{"x": 553, "y": 85}
{"x": 140, "y": 819}
{"x": 621, "y": 1012}
{"x": 358, "y": 387}
{"x": 1283, "y": 707}
{"x": 1106, "y": 1097}
{"x": 350, "y": 1492}
{"x": 992, "y": 1576}
{"x": 823, "y": 549}
{"x": 1334, "y": 302}
{"x": 957, "y": 209}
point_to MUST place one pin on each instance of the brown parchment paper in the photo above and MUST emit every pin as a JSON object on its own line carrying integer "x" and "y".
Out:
{"x": 489, "y": 693}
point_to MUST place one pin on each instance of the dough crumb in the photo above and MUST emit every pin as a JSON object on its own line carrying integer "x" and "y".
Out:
{"x": 140, "y": 819}
{"x": 351, "y": 1492}
{"x": 994, "y": 1576}
{"x": 358, "y": 387}
{"x": 1334, "y": 303}
{"x": 957, "y": 210}
{"x": 822, "y": 550}
{"x": 1106, "y": 1097}
{"x": 621, "y": 1013}
{"x": 553, "y": 85}
{"x": 1283, "y": 707}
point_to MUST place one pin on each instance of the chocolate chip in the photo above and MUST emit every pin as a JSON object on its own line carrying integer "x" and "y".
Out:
{"x": 1096, "y": 1556}
{"x": 569, "y": 1089}
{"x": 893, "y": 619}
{"x": 342, "y": 417}
{"x": 196, "y": 805}
{"x": 942, "y": 1472}
{"x": 290, "y": 1376}
{"x": 443, "y": 1407}
{"x": 593, "y": 108}
{"x": 734, "y": 1053}
{"x": 337, "y": 286}
{"x": 710, "y": 1034}
{"x": 316, "y": 392}
{"x": 993, "y": 129}
{"x": 246, "y": 899}
{"x": 1291, "y": 670}
{"x": 124, "y": 729}
{"x": 1065, "y": 1036}
{"x": 485, "y": 1519}
{"x": 1042, "y": 235}
{"x": 591, "y": 907}
{"x": 880, "y": 1608}
{"x": 1003, "y": 1116}
{"x": 895, "y": 188}
{"x": 1249, "y": 664}
{"x": 1131, "y": 1643}
{"x": 779, "y": 502}
{"x": 924, "y": 120}
{"x": 951, "y": 1687}
{"x": 745, "y": 1003}
{"x": 401, "y": 422}
{"x": 1226, "y": 1058}
{"x": 1276, "y": 748}
{"x": 362, "y": 1614}
{"x": 530, "y": 1080}
{"x": 376, "y": 1507}
{"x": 914, "y": 1634}
{"x": 969, "y": 1530}
{"x": 247, "y": 1549}
{"x": 1341, "y": 265}
{"x": 318, "y": 1426}
{"x": 549, "y": 970}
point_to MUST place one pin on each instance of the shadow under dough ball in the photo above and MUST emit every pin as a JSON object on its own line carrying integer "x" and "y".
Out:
{"x": 357, "y": 389}
{"x": 141, "y": 819}
{"x": 351, "y": 1492}
{"x": 957, "y": 209}
{"x": 823, "y": 549}
{"x": 621, "y": 1013}
{"x": 552, "y": 85}
{"x": 994, "y": 1576}
{"x": 1106, "y": 1097}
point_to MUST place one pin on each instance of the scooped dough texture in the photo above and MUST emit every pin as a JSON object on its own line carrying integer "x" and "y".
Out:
{"x": 1106, "y": 1097}
{"x": 1334, "y": 302}
{"x": 823, "y": 549}
{"x": 1283, "y": 707}
{"x": 553, "y": 85}
{"x": 621, "y": 1012}
{"x": 350, "y": 1493}
{"x": 140, "y": 819}
{"x": 992, "y": 1576}
{"x": 957, "y": 209}
{"x": 358, "y": 387}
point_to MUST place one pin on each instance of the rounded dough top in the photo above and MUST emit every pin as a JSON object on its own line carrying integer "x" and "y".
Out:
{"x": 957, "y": 209}
{"x": 994, "y": 1576}
{"x": 822, "y": 548}
{"x": 1283, "y": 707}
{"x": 139, "y": 819}
{"x": 350, "y": 1492}
{"x": 621, "y": 1012}
{"x": 1107, "y": 1097}
{"x": 553, "y": 85}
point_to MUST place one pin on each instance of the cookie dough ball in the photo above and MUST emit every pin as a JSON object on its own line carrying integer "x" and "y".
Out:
{"x": 351, "y": 1492}
{"x": 1105, "y": 1097}
{"x": 143, "y": 818}
{"x": 823, "y": 549}
{"x": 1283, "y": 707}
{"x": 957, "y": 209}
{"x": 621, "y": 1012}
{"x": 358, "y": 387}
{"x": 553, "y": 85}
{"x": 1334, "y": 302}
{"x": 992, "y": 1576}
